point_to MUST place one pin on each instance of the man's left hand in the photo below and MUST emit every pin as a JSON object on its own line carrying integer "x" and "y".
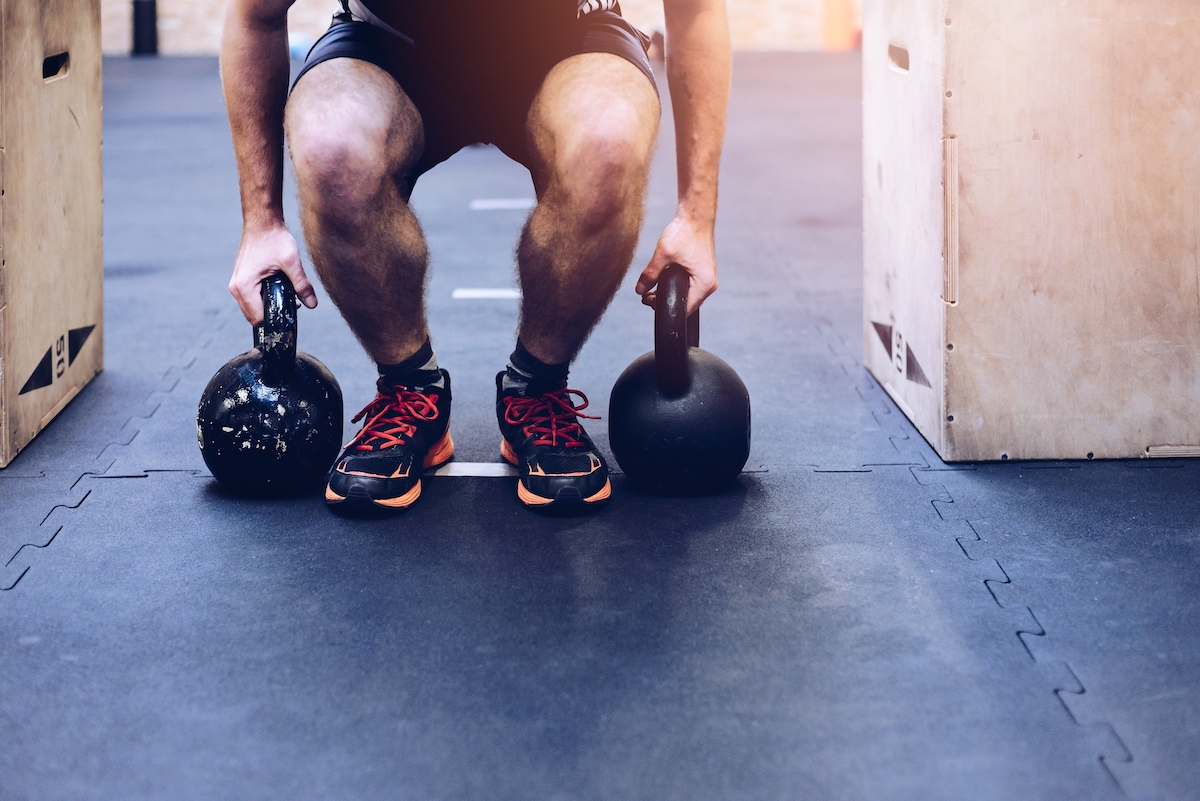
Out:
{"x": 690, "y": 245}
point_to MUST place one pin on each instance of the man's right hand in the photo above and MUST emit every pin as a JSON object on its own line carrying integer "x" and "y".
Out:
{"x": 263, "y": 253}
{"x": 254, "y": 75}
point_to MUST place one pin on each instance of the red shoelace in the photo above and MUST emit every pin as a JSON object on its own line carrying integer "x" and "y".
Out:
{"x": 393, "y": 417}
{"x": 551, "y": 418}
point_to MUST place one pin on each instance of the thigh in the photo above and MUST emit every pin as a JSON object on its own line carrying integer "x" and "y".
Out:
{"x": 360, "y": 69}
{"x": 598, "y": 108}
{"x": 544, "y": 86}
{"x": 354, "y": 114}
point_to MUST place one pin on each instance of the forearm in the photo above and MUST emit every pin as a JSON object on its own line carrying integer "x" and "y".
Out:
{"x": 254, "y": 73}
{"x": 698, "y": 74}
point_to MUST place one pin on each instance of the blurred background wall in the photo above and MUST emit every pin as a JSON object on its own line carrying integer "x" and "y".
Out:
{"x": 194, "y": 26}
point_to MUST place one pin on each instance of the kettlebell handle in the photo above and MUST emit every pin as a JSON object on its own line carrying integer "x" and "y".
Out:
{"x": 275, "y": 336}
{"x": 674, "y": 332}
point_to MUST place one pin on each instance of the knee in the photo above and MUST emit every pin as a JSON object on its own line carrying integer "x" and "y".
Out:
{"x": 603, "y": 169}
{"x": 335, "y": 160}
{"x": 341, "y": 164}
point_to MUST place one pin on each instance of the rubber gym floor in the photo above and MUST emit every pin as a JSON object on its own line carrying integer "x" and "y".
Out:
{"x": 856, "y": 620}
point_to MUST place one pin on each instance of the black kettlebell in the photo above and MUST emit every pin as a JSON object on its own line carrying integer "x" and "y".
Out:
{"x": 679, "y": 417}
{"x": 270, "y": 421}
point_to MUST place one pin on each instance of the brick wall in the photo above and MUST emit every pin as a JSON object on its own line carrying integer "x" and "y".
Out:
{"x": 194, "y": 26}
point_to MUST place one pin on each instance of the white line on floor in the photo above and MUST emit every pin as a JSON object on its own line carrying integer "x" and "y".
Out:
{"x": 477, "y": 469}
{"x": 479, "y": 293}
{"x": 501, "y": 203}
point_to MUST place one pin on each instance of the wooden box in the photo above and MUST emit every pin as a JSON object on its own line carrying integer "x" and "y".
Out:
{"x": 51, "y": 256}
{"x": 1032, "y": 224}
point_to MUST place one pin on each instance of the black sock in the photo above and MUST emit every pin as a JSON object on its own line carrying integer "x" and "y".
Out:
{"x": 527, "y": 371}
{"x": 418, "y": 370}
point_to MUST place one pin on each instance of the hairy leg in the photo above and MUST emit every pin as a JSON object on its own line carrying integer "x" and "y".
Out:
{"x": 592, "y": 129}
{"x": 353, "y": 134}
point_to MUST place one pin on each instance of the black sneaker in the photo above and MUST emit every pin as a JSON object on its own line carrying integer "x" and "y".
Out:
{"x": 407, "y": 430}
{"x": 559, "y": 466}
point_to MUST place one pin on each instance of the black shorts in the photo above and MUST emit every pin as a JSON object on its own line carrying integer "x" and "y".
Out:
{"x": 465, "y": 102}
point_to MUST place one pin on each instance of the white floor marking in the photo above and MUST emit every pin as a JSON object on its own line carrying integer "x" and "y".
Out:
{"x": 478, "y": 293}
{"x": 502, "y": 203}
{"x": 477, "y": 469}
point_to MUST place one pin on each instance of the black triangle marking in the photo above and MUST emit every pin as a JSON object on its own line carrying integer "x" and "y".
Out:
{"x": 43, "y": 374}
{"x": 885, "y": 335}
{"x": 75, "y": 339}
{"x": 914, "y": 371}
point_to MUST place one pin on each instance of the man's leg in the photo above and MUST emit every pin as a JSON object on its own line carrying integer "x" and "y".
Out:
{"x": 353, "y": 134}
{"x": 591, "y": 132}
{"x": 592, "y": 129}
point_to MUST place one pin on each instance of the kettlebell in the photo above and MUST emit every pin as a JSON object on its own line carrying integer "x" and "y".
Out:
{"x": 679, "y": 417}
{"x": 270, "y": 420}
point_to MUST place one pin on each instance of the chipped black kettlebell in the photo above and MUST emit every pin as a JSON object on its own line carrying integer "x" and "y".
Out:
{"x": 270, "y": 421}
{"x": 679, "y": 417}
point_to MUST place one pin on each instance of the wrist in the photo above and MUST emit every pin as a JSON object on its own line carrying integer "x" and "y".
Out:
{"x": 698, "y": 215}
{"x": 262, "y": 223}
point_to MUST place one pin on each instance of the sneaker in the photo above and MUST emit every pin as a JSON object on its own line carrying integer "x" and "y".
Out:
{"x": 558, "y": 465}
{"x": 407, "y": 430}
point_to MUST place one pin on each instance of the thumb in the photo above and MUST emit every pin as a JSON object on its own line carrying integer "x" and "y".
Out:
{"x": 649, "y": 277}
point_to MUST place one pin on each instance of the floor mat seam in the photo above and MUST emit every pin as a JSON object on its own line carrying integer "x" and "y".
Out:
{"x": 12, "y": 574}
{"x": 1063, "y": 678}
{"x": 1108, "y": 746}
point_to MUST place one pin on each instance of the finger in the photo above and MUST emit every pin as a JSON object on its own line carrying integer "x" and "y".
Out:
{"x": 253, "y": 302}
{"x": 249, "y": 300}
{"x": 294, "y": 270}
{"x": 649, "y": 299}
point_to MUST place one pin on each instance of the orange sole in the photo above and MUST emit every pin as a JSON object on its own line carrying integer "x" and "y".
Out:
{"x": 404, "y": 501}
{"x": 529, "y": 499}
{"x": 602, "y": 495}
{"x": 532, "y": 499}
{"x": 438, "y": 455}
{"x": 507, "y": 453}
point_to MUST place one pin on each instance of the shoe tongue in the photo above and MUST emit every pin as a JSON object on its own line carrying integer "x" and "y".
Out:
{"x": 524, "y": 385}
{"x": 535, "y": 388}
{"x": 430, "y": 380}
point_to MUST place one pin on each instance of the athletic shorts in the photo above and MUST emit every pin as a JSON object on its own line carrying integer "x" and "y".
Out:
{"x": 465, "y": 102}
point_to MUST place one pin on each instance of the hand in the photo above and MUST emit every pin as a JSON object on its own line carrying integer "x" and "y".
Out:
{"x": 262, "y": 253}
{"x": 690, "y": 245}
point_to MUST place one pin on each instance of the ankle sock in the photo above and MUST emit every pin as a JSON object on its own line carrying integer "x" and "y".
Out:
{"x": 419, "y": 370}
{"x": 526, "y": 370}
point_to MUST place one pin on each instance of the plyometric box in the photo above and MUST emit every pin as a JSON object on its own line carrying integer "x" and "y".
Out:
{"x": 51, "y": 253}
{"x": 1032, "y": 224}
